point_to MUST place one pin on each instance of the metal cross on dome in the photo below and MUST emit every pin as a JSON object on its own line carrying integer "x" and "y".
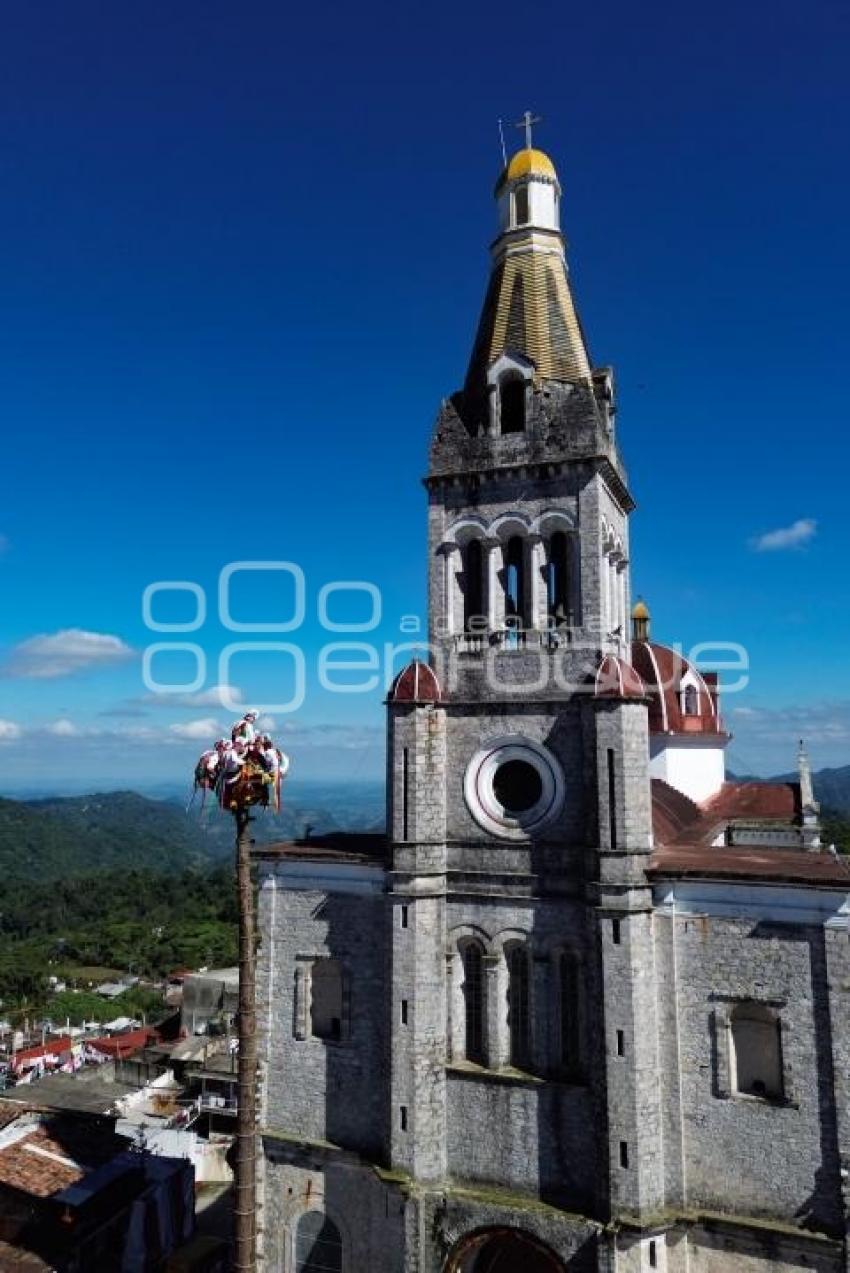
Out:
{"x": 527, "y": 122}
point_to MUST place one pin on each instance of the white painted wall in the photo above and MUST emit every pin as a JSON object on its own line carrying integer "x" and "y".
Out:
{"x": 208, "y": 1157}
{"x": 695, "y": 767}
{"x": 542, "y": 207}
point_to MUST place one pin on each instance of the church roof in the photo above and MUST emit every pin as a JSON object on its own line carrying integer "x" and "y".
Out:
{"x": 416, "y": 683}
{"x": 528, "y": 162}
{"x": 776, "y": 865}
{"x": 677, "y": 820}
{"x": 351, "y": 847}
{"x": 529, "y": 310}
{"x": 665, "y": 672}
{"x": 615, "y": 678}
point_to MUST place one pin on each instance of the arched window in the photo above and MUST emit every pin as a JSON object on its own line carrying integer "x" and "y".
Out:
{"x": 326, "y": 999}
{"x": 473, "y": 996}
{"x": 568, "y": 1013}
{"x": 521, "y": 205}
{"x": 515, "y": 582}
{"x": 756, "y": 1051}
{"x": 512, "y": 404}
{"x": 518, "y": 1007}
{"x": 558, "y": 578}
{"x": 690, "y": 701}
{"x": 473, "y": 589}
{"x": 318, "y": 1245}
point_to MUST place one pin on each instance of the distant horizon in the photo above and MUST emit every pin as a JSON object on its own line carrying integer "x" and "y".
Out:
{"x": 167, "y": 791}
{"x": 175, "y": 790}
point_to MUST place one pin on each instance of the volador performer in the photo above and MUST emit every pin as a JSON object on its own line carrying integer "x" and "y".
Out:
{"x": 246, "y": 771}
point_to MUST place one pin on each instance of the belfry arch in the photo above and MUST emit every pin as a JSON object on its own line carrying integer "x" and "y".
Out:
{"x": 502, "y": 1250}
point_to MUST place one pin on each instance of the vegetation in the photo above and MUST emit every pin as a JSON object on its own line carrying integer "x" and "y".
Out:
{"x": 95, "y": 887}
{"x": 67, "y": 1006}
{"x": 139, "y": 921}
{"x": 61, "y": 837}
{"x": 835, "y": 830}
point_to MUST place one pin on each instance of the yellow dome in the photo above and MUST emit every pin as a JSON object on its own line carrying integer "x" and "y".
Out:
{"x": 640, "y": 610}
{"x": 530, "y": 163}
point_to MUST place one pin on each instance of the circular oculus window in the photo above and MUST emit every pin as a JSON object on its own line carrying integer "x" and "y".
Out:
{"x": 513, "y": 787}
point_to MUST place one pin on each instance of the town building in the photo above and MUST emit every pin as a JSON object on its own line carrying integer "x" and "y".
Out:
{"x": 585, "y": 1006}
{"x": 74, "y": 1197}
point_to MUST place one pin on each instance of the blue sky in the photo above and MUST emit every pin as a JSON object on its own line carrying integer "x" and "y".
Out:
{"x": 243, "y": 254}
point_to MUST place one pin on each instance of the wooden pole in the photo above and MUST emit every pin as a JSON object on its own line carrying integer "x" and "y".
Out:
{"x": 246, "y": 1128}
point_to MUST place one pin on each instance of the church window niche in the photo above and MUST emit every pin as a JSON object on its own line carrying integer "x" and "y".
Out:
{"x": 473, "y": 586}
{"x": 515, "y": 598}
{"x": 472, "y": 957}
{"x": 519, "y": 1020}
{"x": 327, "y": 1000}
{"x": 521, "y": 215}
{"x": 558, "y": 579}
{"x": 690, "y": 701}
{"x": 512, "y": 404}
{"x": 318, "y": 1245}
{"x": 755, "y": 1051}
{"x": 568, "y": 1013}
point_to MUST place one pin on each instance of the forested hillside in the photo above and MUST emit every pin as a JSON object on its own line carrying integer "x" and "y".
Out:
{"x": 60, "y": 837}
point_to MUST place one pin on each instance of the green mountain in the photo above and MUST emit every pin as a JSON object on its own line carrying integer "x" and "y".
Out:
{"x": 58, "y": 838}
{"x": 66, "y": 837}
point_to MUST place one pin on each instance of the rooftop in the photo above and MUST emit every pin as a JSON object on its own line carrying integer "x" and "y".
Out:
{"x": 774, "y": 865}
{"x": 680, "y": 821}
{"x": 85, "y": 1095}
{"x": 339, "y": 846}
{"x": 57, "y": 1151}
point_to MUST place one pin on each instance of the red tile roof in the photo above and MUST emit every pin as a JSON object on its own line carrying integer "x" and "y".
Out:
{"x": 38, "y": 1164}
{"x": 678, "y": 820}
{"x": 338, "y": 846}
{"x": 672, "y": 813}
{"x": 56, "y": 1153}
{"x": 792, "y": 866}
{"x": 615, "y": 678}
{"x": 762, "y": 801}
{"x": 416, "y": 683}
{"x": 124, "y": 1045}
{"x": 663, "y": 670}
{"x": 52, "y": 1047}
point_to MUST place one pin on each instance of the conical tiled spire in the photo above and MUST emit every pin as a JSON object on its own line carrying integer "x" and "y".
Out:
{"x": 529, "y": 308}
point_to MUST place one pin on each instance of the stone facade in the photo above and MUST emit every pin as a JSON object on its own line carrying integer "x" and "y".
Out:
{"x": 541, "y": 1051}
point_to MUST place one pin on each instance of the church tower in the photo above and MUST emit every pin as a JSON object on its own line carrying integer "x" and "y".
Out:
{"x": 523, "y": 1039}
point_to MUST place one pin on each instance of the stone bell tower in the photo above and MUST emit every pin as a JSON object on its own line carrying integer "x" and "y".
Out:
{"x": 519, "y": 796}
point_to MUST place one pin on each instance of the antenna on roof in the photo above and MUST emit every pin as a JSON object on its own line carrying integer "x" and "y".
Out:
{"x": 502, "y": 141}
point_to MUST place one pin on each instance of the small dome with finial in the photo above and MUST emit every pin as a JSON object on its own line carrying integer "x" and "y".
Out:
{"x": 416, "y": 683}
{"x": 640, "y": 620}
{"x": 530, "y": 163}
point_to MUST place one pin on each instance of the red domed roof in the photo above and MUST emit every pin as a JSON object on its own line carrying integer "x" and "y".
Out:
{"x": 615, "y": 678}
{"x": 417, "y": 683}
{"x": 681, "y": 699}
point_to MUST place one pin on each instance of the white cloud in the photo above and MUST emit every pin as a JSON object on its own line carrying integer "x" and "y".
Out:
{"x": 63, "y": 728}
{"x": 9, "y": 731}
{"x": 215, "y": 696}
{"x": 202, "y": 730}
{"x": 793, "y": 536}
{"x": 62, "y": 653}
